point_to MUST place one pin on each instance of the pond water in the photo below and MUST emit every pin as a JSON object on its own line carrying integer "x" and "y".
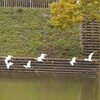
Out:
{"x": 15, "y": 86}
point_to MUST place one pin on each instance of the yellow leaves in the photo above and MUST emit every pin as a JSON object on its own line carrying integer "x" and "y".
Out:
{"x": 64, "y": 14}
{"x": 91, "y": 7}
{"x": 67, "y": 12}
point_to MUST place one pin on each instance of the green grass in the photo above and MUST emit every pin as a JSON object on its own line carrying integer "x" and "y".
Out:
{"x": 27, "y": 33}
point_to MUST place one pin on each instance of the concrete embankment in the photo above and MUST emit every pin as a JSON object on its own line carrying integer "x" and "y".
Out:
{"x": 51, "y": 65}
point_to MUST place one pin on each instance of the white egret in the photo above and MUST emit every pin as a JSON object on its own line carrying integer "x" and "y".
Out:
{"x": 41, "y": 57}
{"x": 73, "y": 61}
{"x": 28, "y": 65}
{"x": 9, "y": 64}
{"x": 89, "y": 57}
{"x": 38, "y": 59}
{"x": 8, "y": 58}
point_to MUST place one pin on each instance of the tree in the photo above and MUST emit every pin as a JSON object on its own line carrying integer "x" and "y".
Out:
{"x": 65, "y": 13}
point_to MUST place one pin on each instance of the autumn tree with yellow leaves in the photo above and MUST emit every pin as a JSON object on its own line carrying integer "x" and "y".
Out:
{"x": 65, "y": 13}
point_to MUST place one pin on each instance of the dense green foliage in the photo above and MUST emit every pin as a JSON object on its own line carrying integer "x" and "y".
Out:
{"x": 26, "y": 32}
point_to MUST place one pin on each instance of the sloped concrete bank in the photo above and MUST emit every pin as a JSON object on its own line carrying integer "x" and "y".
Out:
{"x": 51, "y": 65}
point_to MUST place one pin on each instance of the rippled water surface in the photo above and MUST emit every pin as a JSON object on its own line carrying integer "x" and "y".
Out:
{"x": 48, "y": 87}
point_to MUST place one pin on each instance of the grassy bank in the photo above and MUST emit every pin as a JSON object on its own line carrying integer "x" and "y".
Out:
{"x": 26, "y": 32}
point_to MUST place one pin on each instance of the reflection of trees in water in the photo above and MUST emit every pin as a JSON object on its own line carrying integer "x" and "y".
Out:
{"x": 89, "y": 89}
{"x": 48, "y": 87}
